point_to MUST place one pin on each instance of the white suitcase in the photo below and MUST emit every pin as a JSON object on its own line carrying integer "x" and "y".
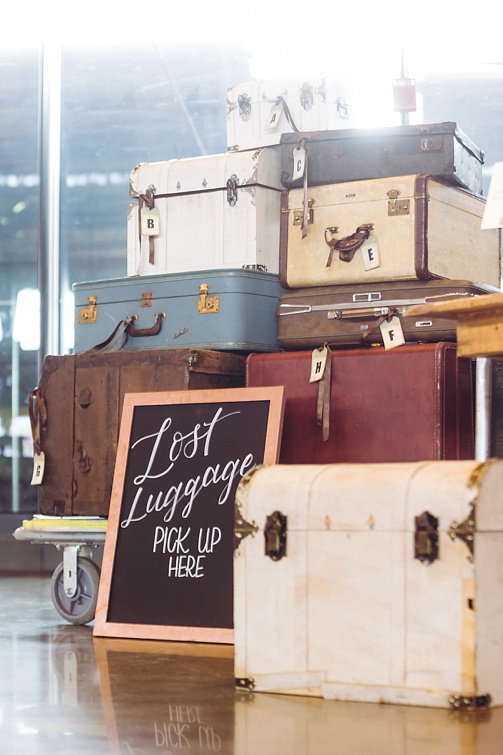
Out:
{"x": 369, "y": 591}
{"x": 399, "y": 228}
{"x": 208, "y": 212}
{"x": 258, "y": 112}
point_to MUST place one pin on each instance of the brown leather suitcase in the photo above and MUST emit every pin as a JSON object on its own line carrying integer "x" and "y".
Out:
{"x": 412, "y": 403}
{"x": 353, "y": 315}
{"x": 76, "y": 410}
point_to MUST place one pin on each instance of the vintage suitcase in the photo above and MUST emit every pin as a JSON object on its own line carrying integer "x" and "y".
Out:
{"x": 355, "y": 315}
{"x": 412, "y": 403}
{"x": 205, "y": 212}
{"x": 258, "y": 112}
{"x": 76, "y": 410}
{"x": 404, "y": 227}
{"x": 227, "y": 309}
{"x": 372, "y": 583}
{"x": 438, "y": 149}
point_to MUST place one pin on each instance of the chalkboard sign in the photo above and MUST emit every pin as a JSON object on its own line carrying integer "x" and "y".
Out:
{"x": 167, "y": 562}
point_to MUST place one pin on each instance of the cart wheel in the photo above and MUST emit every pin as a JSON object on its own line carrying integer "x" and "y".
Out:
{"x": 79, "y": 609}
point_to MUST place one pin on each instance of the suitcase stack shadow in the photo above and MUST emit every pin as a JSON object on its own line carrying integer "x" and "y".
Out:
{"x": 292, "y": 260}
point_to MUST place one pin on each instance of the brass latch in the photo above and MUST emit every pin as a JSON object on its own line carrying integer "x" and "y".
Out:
{"x": 298, "y": 215}
{"x": 397, "y": 206}
{"x": 90, "y": 313}
{"x": 275, "y": 535}
{"x": 426, "y": 538}
{"x": 465, "y": 531}
{"x": 207, "y": 304}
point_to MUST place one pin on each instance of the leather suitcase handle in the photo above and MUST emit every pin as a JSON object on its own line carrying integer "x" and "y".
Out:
{"x": 145, "y": 332}
{"x": 349, "y": 244}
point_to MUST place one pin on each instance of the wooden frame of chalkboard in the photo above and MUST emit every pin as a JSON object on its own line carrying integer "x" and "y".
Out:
{"x": 167, "y": 562}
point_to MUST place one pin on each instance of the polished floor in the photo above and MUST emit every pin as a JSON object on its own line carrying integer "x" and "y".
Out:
{"x": 61, "y": 691}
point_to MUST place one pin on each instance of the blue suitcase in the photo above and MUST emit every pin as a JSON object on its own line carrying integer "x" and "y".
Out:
{"x": 226, "y": 309}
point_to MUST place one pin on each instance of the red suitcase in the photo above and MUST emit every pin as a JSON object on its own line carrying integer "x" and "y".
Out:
{"x": 411, "y": 403}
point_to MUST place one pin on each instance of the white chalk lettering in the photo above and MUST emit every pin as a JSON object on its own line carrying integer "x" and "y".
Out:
{"x": 185, "y": 566}
{"x": 170, "y": 539}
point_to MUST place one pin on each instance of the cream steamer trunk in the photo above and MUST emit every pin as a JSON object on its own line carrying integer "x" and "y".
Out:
{"x": 258, "y": 112}
{"x": 398, "y": 228}
{"x": 205, "y": 212}
{"x": 390, "y": 597}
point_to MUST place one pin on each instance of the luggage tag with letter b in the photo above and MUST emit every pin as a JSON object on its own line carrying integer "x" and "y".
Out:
{"x": 38, "y": 468}
{"x": 150, "y": 224}
{"x": 392, "y": 333}
{"x": 318, "y": 362}
{"x": 370, "y": 253}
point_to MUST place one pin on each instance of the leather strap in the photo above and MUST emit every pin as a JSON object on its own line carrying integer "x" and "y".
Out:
{"x": 286, "y": 111}
{"x": 37, "y": 409}
{"x": 348, "y": 245}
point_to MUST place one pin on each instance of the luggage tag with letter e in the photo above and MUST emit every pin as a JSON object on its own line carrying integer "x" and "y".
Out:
{"x": 392, "y": 333}
{"x": 370, "y": 253}
{"x": 274, "y": 117}
{"x": 318, "y": 362}
{"x": 150, "y": 224}
{"x": 38, "y": 468}
{"x": 299, "y": 162}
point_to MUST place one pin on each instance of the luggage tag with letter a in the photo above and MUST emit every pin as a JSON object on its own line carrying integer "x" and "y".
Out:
{"x": 392, "y": 333}
{"x": 318, "y": 362}
{"x": 370, "y": 253}
{"x": 274, "y": 116}
{"x": 150, "y": 224}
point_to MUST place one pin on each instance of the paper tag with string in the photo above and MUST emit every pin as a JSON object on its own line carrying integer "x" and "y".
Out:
{"x": 370, "y": 253}
{"x": 274, "y": 117}
{"x": 318, "y": 362}
{"x": 38, "y": 468}
{"x": 392, "y": 333}
{"x": 150, "y": 221}
{"x": 299, "y": 162}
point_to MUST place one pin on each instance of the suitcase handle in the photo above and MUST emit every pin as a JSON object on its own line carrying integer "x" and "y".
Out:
{"x": 144, "y": 332}
{"x": 349, "y": 244}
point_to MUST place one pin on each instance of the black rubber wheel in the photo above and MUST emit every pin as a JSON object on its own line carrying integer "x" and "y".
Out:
{"x": 81, "y": 608}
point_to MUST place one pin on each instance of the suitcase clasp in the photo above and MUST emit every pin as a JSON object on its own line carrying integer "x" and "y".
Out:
{"x": 275, "y": 535}
{"x": 426, "y": 538}
{"x": 397, "y": 206}
{"x": 207, "y": 304}
{"x": 88, "y": 314}
{"x": 298, "y": 215}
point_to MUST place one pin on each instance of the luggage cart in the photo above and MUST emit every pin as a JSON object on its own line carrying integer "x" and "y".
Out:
{"x": 75, "y": 581}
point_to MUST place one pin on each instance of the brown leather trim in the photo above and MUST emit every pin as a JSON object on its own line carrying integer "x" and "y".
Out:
{"x": 421, "y": 227}
{"x": 283, "y": 240}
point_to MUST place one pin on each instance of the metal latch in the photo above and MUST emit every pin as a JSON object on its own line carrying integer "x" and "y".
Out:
{"x": 146, "y": 299}
{"x": 90, "y": 313}
{"x": 245, "y": 107}
{"x": 232, "y": 190}
{"x": 207, "y": 304}
{"x": 397, "y": 206}
{"x": 298, "y": 215}
{"x": 426, "y": 538}
{"x": 275, "y": 535}
{"x": 306, "y": 96}
{"x": 432, "y": 143}
{"x": 465, "y": 531}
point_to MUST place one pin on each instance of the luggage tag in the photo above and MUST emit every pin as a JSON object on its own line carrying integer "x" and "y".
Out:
{"x": 38, "y": 468}
{"x": 150, "y": 222}
{"x": 274, "y": 116}
{"x": 318, "y": 363}
{"x": 370, "y": 253}
{"x": 392, "y": 333}
{"x": 299, "y": 162}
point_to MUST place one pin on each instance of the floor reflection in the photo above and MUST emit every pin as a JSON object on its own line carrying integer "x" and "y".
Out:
{"x": 61, "y": 691}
